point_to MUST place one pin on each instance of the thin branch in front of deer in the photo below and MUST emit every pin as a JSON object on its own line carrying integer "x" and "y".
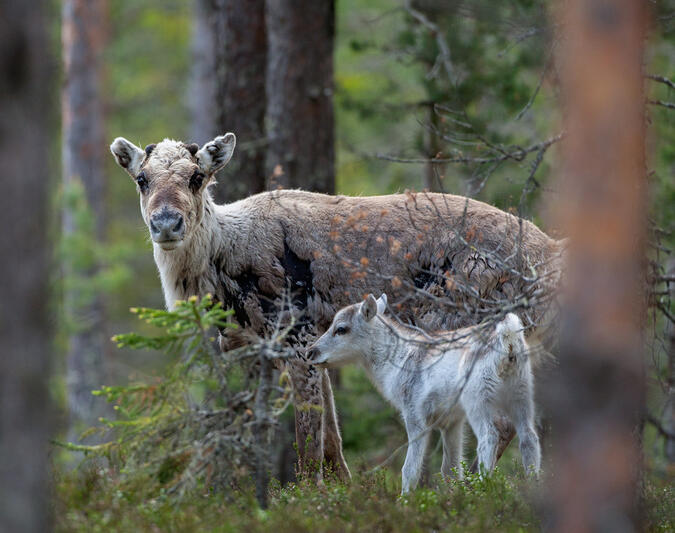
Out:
{"x": 517, "y": 155}
{"x": 661, "y": 79}
{"x": 659, "y": 427}
{"x": 661, "y": 103}
{"x": 547, "y": 66}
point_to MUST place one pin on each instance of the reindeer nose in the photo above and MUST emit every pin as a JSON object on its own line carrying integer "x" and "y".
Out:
{"x": 312, "y": 353}
{"x": 167, "y": 225}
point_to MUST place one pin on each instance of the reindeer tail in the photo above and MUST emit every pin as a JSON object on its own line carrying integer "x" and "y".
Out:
{"x": 510, "y": 335}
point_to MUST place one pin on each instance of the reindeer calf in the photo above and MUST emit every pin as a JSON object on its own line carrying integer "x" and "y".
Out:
{"x": 437, "y": 380}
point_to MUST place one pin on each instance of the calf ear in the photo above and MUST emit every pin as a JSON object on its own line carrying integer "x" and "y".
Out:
{"x": 215, "y": 154}
{"x": 129, "y": 156}
{"x": 382, "y": 303}
{"x": 369, "y": 308}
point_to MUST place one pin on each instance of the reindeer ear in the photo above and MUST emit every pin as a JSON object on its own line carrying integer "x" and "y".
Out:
{"x": 215, "y": 154}
{"x": 129, "y": 156}
{"x": 369, "y": 308}
{"x": 382, "y": 303}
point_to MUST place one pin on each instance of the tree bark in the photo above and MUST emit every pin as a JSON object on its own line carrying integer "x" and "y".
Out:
{"x": 597, "y": 398}
{"x": 25, "y": 87}
{"x": 300, "y": 94}
{"x": 202, "y": 89}
{"x": 301, "y": 154}
{"x": 83, "y": 34}
{"x": 238, "y": 34}
{"x": 433, "y": 172}
{"x": 263, "y": 424}
{"x": 669, "y": 411}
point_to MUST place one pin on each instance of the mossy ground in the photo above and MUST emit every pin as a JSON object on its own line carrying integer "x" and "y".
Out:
{"x": 91, "y": 500}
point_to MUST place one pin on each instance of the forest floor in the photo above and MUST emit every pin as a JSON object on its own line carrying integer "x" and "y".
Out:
{"x": 91, "y": 500}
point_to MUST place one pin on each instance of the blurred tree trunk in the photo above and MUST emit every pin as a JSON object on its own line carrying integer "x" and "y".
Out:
{"x": 301, "y": 137}
{"x": 598, "y": 395}
{"x": 433, "y": 172}
{"x": 234, "y": 34}
{"x": 25, "y": 89}
{"x": 83, "y": 34}
{"x": 202, "y": 89}
{"x": 669, "y": 411}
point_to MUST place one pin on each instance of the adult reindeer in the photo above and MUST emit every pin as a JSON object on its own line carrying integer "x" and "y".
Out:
{"x": 446, "y": 260}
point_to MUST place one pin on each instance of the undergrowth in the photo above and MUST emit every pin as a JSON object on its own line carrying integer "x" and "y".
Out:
{"x": 95, "y": 499}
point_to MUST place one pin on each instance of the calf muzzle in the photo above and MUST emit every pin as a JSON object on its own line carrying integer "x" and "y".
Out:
{"x": 312, "y": 353}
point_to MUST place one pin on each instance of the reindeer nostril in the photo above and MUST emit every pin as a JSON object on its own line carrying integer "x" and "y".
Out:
{"x": 312, "y": 353}
{"x": 179, "y": 224}
{"x": 153, "y": 228}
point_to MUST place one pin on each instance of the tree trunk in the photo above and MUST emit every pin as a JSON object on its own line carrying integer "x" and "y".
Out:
{"x": 300, "y": 94}
{"x": 25, "y": 88}
{"x": 239, "y": 48}
{"x": 83, "y": 32}
{"x": 202, "y": 89}
{"x": 433, "y": 172}
{"x": 262, "y": 431}
{"x": 669, "y": 411}
{"x": 301, "y": 154}
{"x": 597, "y": 398}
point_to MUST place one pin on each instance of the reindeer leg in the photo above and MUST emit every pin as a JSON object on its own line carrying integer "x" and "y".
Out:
{"x": 507, "y": 432}
{"x": 307, "y": 385}
{"x": 332, "y": 440}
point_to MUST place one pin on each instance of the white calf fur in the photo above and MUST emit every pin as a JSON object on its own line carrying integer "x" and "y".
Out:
{"x": 438, "y": 380}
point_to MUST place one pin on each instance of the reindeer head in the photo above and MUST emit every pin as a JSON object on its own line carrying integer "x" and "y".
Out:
{"x": 172, "y": 179}
{"x": 349, "y": 335}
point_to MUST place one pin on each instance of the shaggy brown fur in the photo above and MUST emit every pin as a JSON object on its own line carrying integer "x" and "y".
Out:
{"x": 331, "y": 251}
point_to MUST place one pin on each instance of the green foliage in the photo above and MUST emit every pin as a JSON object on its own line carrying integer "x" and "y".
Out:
{"x": 193, "y": 424}
{"x": 90, "y": 267}
{"x": 95, "y": 500}
{"x": 389, "y": 73}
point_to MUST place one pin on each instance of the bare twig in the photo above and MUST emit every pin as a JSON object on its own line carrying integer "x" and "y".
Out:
{"x": 444, "y": 55}
{"x": 661, "y": 79}
{"x": 662, "y": 103}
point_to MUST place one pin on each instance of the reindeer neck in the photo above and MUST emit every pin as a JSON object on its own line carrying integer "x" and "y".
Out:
{"x": 384, "y": 356}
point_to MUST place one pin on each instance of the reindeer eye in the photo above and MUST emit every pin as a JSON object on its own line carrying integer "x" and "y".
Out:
{"x": 142, "y": 182}
{"x": 341, "y": 330}
{"x": 196, "y": 181}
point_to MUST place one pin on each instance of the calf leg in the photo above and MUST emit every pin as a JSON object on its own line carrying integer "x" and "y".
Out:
{"x": 488, "y": 438}
{"x": 530, "y": 450}
{"x": 452, "y": 437}
{"x": 308, "y": 403}
{"x": 332, "y": 441}
{"x": 507, "y": 431}
{"x": 418, "y": 437}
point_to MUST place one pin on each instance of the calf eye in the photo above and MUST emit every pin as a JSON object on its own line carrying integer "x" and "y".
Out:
{"x": 196, "y": 181}
{"x": 142, "y": 182}
{"x": 341, "y": 330}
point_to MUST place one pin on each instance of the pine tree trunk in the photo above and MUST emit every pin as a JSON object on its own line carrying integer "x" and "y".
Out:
{"x": 84, "y": 149}
{"x": 598, "y": 395}
{"x": 239, "y": 58}
{"x": 669, "y": 411}
{"x": 301, "y": 135}
{"x": 25, "y": 88}
{"x": 202, "y": 90}
{"x": 301, "y": 154}
{"x": 433, "y": 172}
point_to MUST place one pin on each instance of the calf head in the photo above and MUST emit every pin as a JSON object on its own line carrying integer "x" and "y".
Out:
{"x": 172, "y": 179}
{"x": 349, "y": 335}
